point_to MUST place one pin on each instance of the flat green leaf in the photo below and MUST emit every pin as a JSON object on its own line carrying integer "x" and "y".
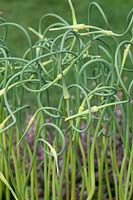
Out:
{"x": 3, "y": 179}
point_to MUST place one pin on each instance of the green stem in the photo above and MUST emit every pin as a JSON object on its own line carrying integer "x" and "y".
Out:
{"x": 92, "y": 170}
{"x": 67, "y": 173}
{"x": 53, "y": 181}
{"x": 129, "y": 172}
{"x": 32, "y": 184}
{"x": 64, "y": 159}
{"x": 114, "y": 170}
{"x": 6, "y": 169}
{"x": 107, "y": 179}
{"x": 101, "y": 163}
{"x": 73, "y": 166}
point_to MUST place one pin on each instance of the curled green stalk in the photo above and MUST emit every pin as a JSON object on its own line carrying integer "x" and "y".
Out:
{"x": 36, "y": 145}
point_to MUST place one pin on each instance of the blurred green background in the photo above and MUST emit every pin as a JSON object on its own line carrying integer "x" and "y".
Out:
{"x": 28, "y": 12}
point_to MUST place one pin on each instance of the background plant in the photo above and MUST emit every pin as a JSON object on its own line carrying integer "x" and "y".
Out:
{"x": 65, "y": 145}
{"x": 13, "y": 12}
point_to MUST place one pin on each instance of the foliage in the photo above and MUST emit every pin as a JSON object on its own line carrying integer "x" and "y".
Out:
{"x": 75, "y": 78}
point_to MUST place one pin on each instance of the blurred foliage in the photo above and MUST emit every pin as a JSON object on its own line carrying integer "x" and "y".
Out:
{"x": 28, "y": 12}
